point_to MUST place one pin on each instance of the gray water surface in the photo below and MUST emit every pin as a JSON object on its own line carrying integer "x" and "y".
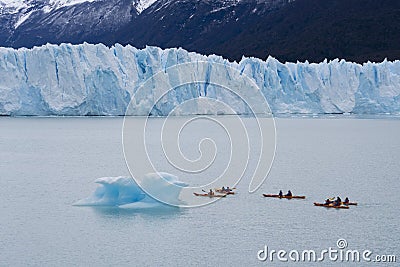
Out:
{"x": 46, "y": 164}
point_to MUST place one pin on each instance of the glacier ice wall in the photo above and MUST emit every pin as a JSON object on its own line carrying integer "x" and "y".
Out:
{"x": 91, "y": 79}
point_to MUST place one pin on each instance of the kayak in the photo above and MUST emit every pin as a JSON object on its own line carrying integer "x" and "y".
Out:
{"x": 207, "y": 195}
{"x": 350, "y": 203}
{"x": 330, "y": 206}
{"x": 288, "y": 197}
{"x": 224, "y": 192}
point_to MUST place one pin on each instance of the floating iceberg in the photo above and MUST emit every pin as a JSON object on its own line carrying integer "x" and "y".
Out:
{"x": 80, "y": 80}
{"x": 124, "y": 192}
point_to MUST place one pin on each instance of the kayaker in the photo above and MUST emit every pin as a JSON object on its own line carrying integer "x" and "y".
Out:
{"x": 211, "y": 193}
{"x": 338, "y": 201}
{"x": 280, "y": 193}
{"x": 328, "y": 201}
{"x": 289, "y": 193}
{"x": 223, "y": 189}
{"x": 346, "y": 201}
{"x": 228, "y": 189}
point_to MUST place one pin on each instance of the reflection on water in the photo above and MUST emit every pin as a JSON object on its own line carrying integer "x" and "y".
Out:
{"x": 163, "y": 212}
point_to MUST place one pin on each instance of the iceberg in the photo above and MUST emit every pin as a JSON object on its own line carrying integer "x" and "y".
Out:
{"x": 95, "y": 80}
{"x": 124, "y": 192}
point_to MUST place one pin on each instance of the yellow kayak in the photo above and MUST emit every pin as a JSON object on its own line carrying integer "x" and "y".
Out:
{"x": 330, "y": 206}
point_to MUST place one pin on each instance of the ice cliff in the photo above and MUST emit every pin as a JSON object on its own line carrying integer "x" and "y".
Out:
{"x": 91, "y": 79}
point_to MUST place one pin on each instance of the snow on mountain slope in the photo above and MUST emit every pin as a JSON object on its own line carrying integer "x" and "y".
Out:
{"x": 14, "y": 6}
{"x": 22, "y": 19}
{"x": 61, "y": 3}
{"x": 13, "y": 3}
{"x": 97, "y": 80}
{"x": 140, "y": 5}
{"x": 144, "y": 4}
{"x": 56, "y": 4}
{"x": 55, "y": 19}
{"x": 20, "y": 4}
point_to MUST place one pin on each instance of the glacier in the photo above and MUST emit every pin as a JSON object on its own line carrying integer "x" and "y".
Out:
{"x": 96, "y": 80}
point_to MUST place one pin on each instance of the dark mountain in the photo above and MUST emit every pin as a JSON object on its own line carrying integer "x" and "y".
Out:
{"x": 356, "y": 30}
{"x": 88, "y": 21}
{"x": 203, "y": 26}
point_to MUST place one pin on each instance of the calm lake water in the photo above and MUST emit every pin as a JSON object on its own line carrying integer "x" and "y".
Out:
{"x": 47, "y": 164}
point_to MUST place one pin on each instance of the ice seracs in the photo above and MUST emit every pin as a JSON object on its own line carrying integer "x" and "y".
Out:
{"x": 91, "y": 79}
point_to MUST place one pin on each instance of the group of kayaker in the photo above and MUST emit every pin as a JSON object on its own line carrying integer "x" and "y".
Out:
{"x": 329, "y": 202}
{"x": 289, "y": 194}
{"x": 337, "y": 202}
{"x": 222, "y": 190}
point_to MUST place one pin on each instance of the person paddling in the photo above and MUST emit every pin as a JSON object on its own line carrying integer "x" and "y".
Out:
{"x": 211, "y": 193}
{"x": 328, "y": 201}
{"x": 280, "y": 193}
{"x": 289, "y": 194}
{"x": 223, "y": 189}
{"x": 346, "y": 201}
{"x": 338, "y": 201}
